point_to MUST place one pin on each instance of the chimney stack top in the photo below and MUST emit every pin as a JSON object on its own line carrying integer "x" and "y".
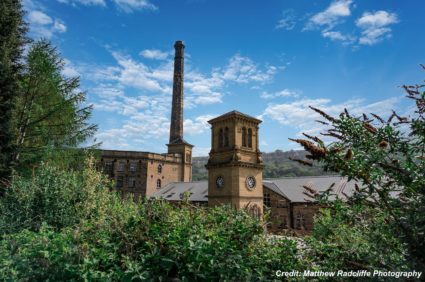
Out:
{"x": 178, "y": 44}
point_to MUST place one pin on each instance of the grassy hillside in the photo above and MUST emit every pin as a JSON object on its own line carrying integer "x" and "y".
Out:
{"x": 277, "y": 164}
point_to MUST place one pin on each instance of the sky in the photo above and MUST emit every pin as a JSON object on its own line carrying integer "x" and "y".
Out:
{"x": 269, "y": 59}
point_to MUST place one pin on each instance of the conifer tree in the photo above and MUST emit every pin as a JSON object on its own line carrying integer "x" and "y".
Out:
{"x": 12, "y": 40}
{"x": 50, "y": 114}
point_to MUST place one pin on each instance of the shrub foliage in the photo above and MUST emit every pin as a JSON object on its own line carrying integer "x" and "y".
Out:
{"x": 70, "y": 226}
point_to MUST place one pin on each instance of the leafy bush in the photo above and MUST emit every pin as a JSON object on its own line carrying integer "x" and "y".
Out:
{"x": 71, "y": 227}
{"x": 58, "y": 198}
{"x": 355, "y": 238}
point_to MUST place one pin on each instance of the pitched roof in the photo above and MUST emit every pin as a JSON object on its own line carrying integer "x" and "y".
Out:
{"x": 234, "y": 113}
{"x": 288, "y": 187}
{"x": 174, "y": 191}
{"x": 292, "y": 187}
{"x": 180, "y": 140}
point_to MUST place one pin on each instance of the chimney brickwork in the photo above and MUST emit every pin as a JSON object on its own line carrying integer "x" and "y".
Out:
{"x": 176, "y": 127}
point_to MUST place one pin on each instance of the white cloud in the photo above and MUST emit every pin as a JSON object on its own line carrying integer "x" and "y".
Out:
{"x": 288, "y": 20}
{"x": 154, "y": 54}
{"x": 338, "y": 36}
{"x": 84, "y": 2}
{"x": 129, "y": 6}
{"x": 41, "y": 24}
{"x": 198, "y": 125}
{"x": 139, "y": 94}
{"x": 39, "y": 18}
{"x": 136, "y": 74}
{"x": 297, "y": 114}
{"x": 243, "y": 70}
{"x": 378, "y": 19}
{"x": 282, "y": 93}
{"x": 331, "y": 16}
{"x": 375, "y": 26}
{"x": 200, "y": 89}
{"x": 59, "y": 26}
{"x": 144, "y": 117}
{"x": 69, "y": 69}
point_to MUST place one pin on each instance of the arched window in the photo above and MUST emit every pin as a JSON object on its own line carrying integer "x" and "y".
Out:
{"x": 254, "y": 211}
{"x": 159, "y": 168}
{"x": 226, "y": 137}
{"x": 158, "y": 183}
{"x": 220, "y": 138}
{"x": 250, "y": 138}
{"x": 243, "y": 137}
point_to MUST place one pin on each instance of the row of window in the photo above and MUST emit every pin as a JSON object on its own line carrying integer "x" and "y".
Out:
{"x": 131, "y": 182}
{"x": 109, "y": 167}
{"x": 223, "y": 137}
{"x": 268, "y": 203}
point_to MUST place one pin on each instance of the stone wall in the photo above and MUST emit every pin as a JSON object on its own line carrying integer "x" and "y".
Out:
{"x": 286, "y": 216}
{"x": 137, "y": 173}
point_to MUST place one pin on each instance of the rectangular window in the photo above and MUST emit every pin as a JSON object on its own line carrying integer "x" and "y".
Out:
{"x": 131, "y": 182}
{"x": 120, "y": 181}
{"x": 133, "y": 167}
{"x": 108, "y": 167}
{"x": 121, "y": 166}
{"x": 300, "y": 221}
{"x": 267, "y": 201}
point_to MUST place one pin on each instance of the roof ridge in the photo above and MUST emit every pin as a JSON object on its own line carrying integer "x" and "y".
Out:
{"x": 307, "y": 176}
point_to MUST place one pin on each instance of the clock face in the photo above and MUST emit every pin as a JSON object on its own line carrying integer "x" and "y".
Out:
{"x": 250, "y": 182}
{"x": 219, "y": 182}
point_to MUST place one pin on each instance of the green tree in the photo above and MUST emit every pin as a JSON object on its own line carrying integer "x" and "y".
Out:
{"x": 12, "y": 38}
{"x": 49, "y": 116}
{"x": 387, "y": 157}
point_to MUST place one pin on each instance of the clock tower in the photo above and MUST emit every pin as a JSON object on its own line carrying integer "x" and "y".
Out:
{"x": 235, "y": 164}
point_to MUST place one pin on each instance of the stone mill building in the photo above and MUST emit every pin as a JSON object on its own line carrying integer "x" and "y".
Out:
{"x": 235, "y": 168}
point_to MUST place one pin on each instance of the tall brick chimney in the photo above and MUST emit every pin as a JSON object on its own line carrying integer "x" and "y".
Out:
{"x": 176, "y": 127}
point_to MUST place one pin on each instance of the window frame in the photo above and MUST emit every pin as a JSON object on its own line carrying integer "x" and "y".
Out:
{"x": 121, "y": 166}
{"x": 133, "y": 167}
{"x": 131, "y": 180}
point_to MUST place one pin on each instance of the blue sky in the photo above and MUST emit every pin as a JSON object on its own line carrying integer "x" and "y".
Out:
{"x": 269, "y": 59}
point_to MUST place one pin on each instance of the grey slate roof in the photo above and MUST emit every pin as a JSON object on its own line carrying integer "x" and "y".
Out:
{"x": 292, "y": 187}
{"x": 289, "y": 187}
{"x": 174, "y": 191}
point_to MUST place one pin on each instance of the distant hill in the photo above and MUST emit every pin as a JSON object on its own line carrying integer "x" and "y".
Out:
{"x": 277, "y": 164}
